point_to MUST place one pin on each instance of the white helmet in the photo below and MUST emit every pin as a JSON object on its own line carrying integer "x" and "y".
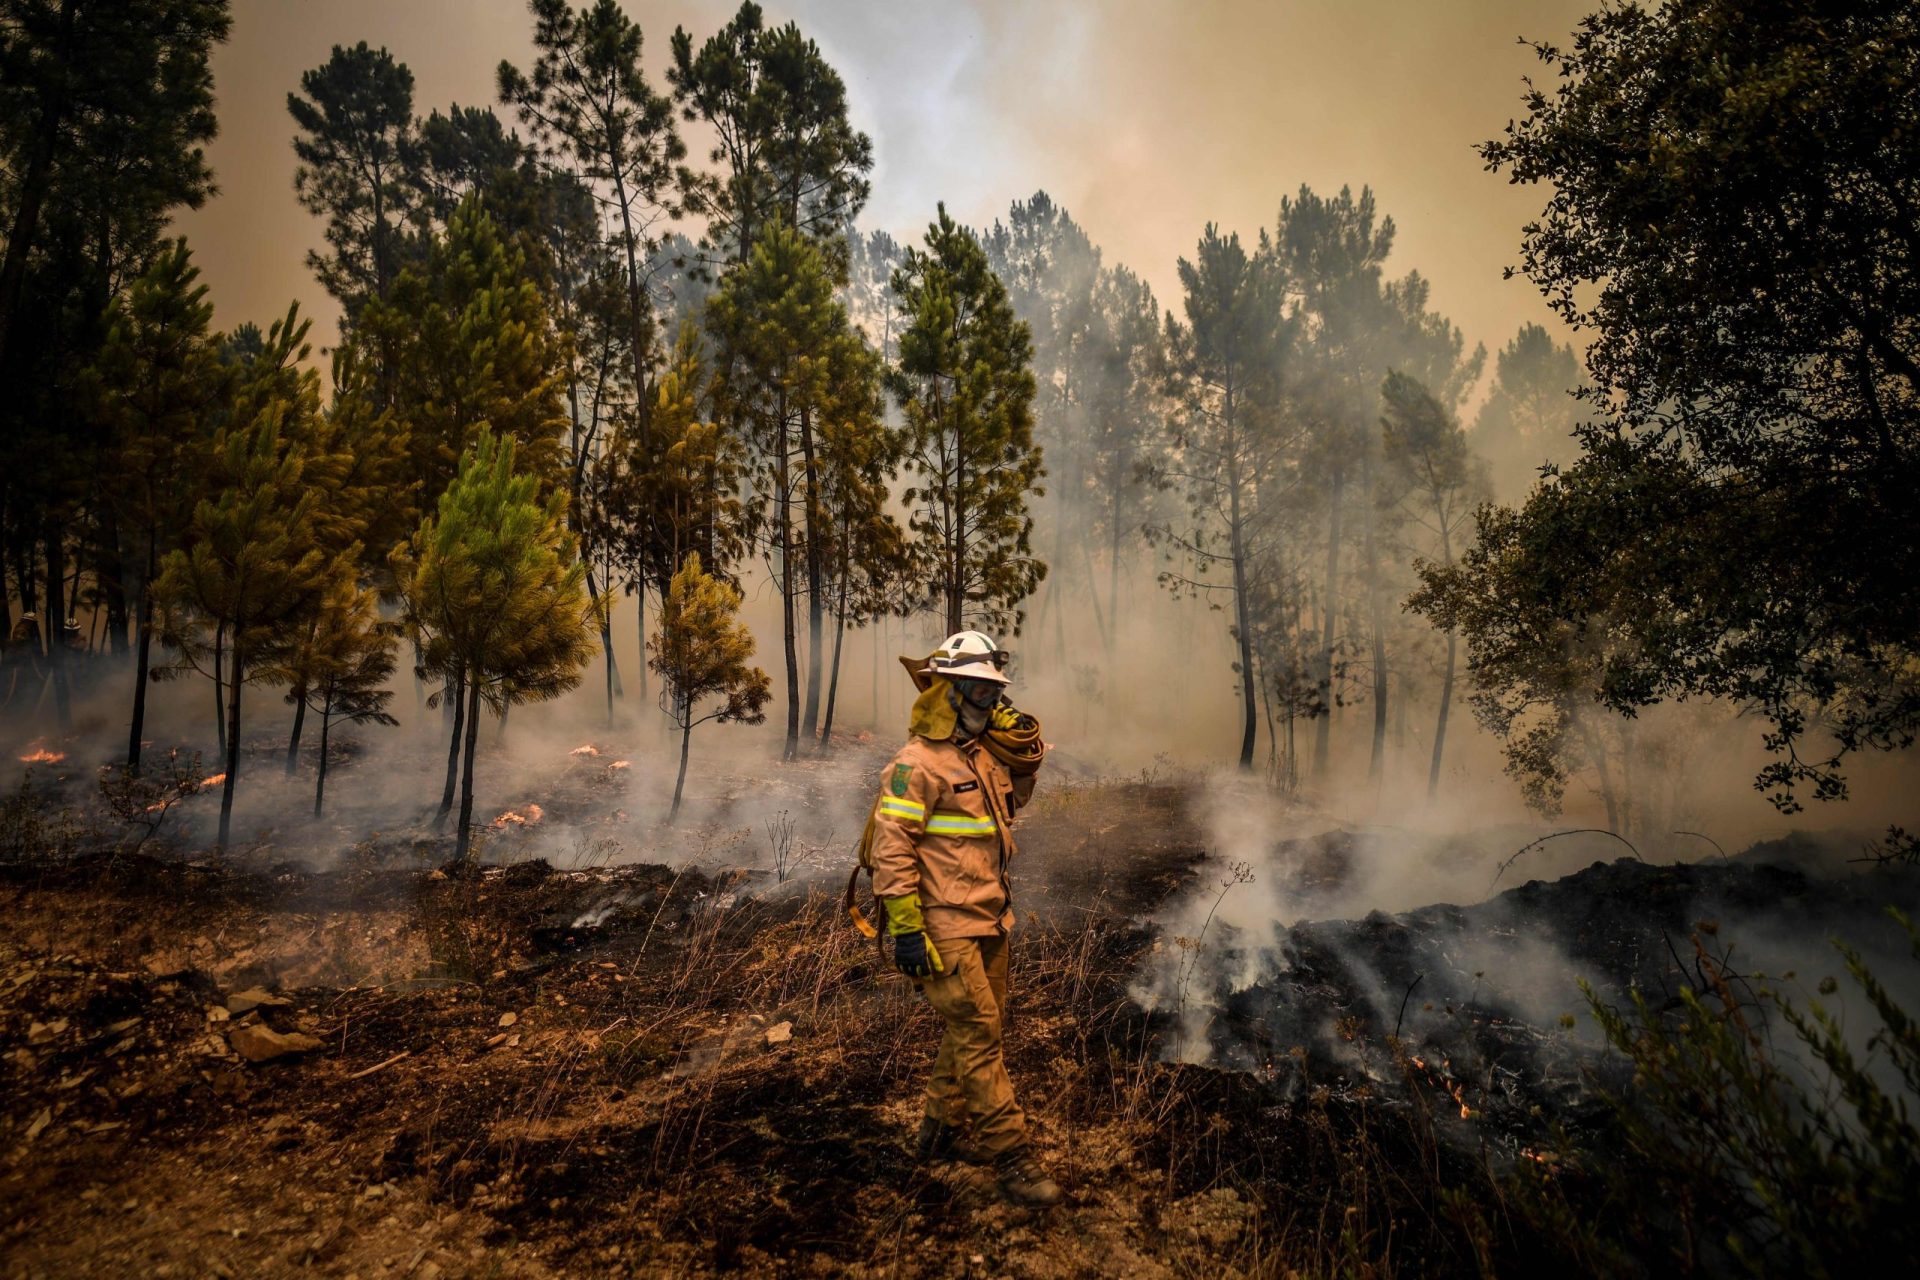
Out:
{"x": 970, "y": 655}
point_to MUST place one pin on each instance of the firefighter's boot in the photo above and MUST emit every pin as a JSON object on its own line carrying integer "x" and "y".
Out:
{"x": 1023, "y": 1181}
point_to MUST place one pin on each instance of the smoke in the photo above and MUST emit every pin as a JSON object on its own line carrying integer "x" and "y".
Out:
{"x": 556, "y": 782}
{"x": 1304, "y": 943}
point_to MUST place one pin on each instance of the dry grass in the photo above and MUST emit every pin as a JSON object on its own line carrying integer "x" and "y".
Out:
{"x": 637, "y": 1117}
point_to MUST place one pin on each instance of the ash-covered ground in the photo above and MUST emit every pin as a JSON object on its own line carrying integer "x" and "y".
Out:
{"x": 575, "y": 1060}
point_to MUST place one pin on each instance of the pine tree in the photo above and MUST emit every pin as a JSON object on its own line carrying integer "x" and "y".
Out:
{"x": 777, "y": 318}
{"x": 252, "y": 565}
{"x": 1125, "y": 407}
{"x": 588, "y": 101}
{"x": 650, "y": 518}
{"x": 701, "y": 651}
{"x": 105, "y": 109}
{"x": 158, "y": 381}
{"x": 85, "y": 81}
{"x": 784, "y": 146}
{"x": 1052, "y": 272}
{"x": 1227, "y": 447}
{"x": 357, "y": 460}
{"x": 345, "y": 659}
{"x": 965, "y": 385}
{"x": 359, "y": 169}
{"x": 468, "y": 343}
{"x": 469, "y": 152}
{"x": 495, "y": 594}
{"x": 1330, "y": 251}
{"x": 1436, "y": 478}
{"x": 866, "y": 550}
{"x": 1528, "y": 418}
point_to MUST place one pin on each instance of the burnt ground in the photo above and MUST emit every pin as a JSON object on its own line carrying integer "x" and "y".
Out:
{"x": 520, "y": 1071}
{"x": 1481, "y": 1007}
{"x": 527, "y": 1072}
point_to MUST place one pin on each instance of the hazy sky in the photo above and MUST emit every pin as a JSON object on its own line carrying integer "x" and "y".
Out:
{"x": 1146, "y": 120}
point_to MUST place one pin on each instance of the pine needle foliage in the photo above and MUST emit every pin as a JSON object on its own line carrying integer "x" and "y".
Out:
{"x": 495, "y": 595}
{"x": 253, "y": 565}
{"x": 965, "y": 384}
{"x": 345, "y": 659}
{"x": 702, "y": 651}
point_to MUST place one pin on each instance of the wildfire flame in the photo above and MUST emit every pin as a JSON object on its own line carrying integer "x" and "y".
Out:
{"x": 161, "y": 806}
{"x": 515, "y": 818}
{"x": 588, "y": 750}
{"x": 40, "y": 755}
{"x": 620, "y": 764}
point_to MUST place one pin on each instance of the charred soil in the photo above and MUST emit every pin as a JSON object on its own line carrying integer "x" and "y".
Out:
{"x": 522, "y": 1071}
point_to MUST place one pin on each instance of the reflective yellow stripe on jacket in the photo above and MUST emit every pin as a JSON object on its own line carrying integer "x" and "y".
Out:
{"x": 960, "y": 824}
{"x": 904, "y": 810}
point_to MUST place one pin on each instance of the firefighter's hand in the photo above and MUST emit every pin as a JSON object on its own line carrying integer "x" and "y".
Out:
{"x": 1004, "y": 718}
{"x": 914, "y": 955}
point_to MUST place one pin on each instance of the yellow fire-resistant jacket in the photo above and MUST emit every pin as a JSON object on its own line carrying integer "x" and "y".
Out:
{"x": 942, "y": 830}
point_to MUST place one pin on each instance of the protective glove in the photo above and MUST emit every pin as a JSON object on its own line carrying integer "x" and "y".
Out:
{"x": 914, "y": 955}
{"x": 913, "y": 952}
{"x": 1005, "y": 718}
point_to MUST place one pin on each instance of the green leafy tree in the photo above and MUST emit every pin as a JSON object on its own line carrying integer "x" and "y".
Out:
{"x": 159, "y": 382}
{"x": 343, "y": 662}
{"x": 1545, "y": 620}
{"x": 252, "y": 566}
{"x": 965, "y": 384}
{"x": 702, "y": 651}
{"x": 359, "y": 169}
{"x": 495, "y": 593}
{"x": 1731, "y": 222}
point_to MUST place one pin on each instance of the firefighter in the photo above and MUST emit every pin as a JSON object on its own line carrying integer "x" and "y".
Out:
{"x": 939, "y": 852}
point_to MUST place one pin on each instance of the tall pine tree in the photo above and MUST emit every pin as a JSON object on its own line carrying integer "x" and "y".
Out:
{"x": 965, "y": 385}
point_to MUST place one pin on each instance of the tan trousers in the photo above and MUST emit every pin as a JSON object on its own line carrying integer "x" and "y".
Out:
{"x": 970, "y": 1078}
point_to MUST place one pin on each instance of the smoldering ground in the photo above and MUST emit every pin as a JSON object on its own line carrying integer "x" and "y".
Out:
{"x": 1459, "y": 963}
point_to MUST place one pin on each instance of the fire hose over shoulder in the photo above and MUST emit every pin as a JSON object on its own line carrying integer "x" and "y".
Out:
{"x": 1012, "y": 737}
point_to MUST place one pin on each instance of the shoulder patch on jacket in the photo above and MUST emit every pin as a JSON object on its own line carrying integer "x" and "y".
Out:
{"x": 901, "y": 773}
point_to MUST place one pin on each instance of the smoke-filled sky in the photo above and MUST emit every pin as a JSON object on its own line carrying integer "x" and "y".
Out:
{"x": 1145, "y": 119}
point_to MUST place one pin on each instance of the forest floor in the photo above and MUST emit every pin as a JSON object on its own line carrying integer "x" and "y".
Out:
{"x": 514, "y": 1070}
{"x": 529, "y": 1072}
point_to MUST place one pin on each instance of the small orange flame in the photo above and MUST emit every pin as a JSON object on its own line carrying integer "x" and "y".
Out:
{"x": 40, "y": 755}
{"x": 588, "y": 750}
{"x": 621, "y": 764}
{"x": 214, "y": 781}
{"x": 514, "y": 818}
